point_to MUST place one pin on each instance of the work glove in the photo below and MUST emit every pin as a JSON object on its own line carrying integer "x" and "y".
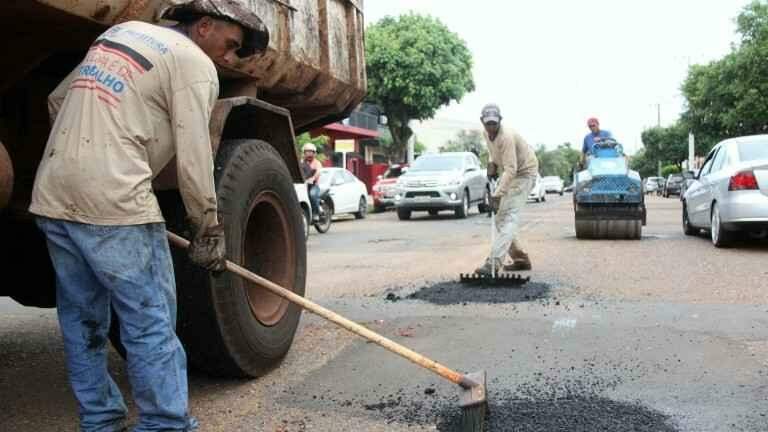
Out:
{"x": 208, "y": 248}
{"x": 492, "y": 171}
{"x": 495, "y": 203}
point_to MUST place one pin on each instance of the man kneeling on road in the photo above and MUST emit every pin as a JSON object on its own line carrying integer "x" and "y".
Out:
{"x": 513, "y": 156}
{"x": 115, "y": 128}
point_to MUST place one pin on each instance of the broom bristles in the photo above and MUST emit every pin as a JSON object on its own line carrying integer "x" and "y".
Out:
{"x": 473, "y": 417}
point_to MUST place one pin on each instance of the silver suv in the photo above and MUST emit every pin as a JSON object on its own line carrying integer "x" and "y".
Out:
{"x": 443, "y": 181}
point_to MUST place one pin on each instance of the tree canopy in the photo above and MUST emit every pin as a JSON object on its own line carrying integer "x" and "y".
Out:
{"x": 468, "y": 140}
{"x": 415, "y": 65}
{"x": 729, "y": 97}
{"x": 558, "y": 162}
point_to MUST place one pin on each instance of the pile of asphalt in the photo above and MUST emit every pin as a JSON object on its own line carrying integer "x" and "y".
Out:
{"x": 453, "y": 293}
{"x": 575, "y": 413}
{"x": 572, "y": 410}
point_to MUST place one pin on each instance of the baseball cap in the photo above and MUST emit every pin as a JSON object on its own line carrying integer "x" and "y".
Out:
{"x": 490, "y": 114}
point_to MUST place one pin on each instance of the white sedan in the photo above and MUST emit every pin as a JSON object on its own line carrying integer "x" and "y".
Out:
{"x": 538, "y": 193}
{"x": 348, "y": 194}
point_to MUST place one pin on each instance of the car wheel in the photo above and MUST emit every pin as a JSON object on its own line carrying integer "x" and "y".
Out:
{"x": 403, "y": 214}
{"x": 720, "y": 237}
{"x": 362, "y": 209}
{"x": 561, "y": 193}
{"x": 485, "y": 204}
{"x": 688, "y": 229}
{"x": 433, "y": 212}
{"x": 544, "y": 198}
{"x": 462, "y": 211}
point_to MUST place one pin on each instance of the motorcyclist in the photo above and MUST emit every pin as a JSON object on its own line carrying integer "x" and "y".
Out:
{"x": 312, "y": 167}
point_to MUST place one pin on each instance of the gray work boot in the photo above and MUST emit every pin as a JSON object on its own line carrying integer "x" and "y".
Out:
{"x": 520, "y": 261}
{"x": 487, "y": 270}
{"x": 518, "y": 266}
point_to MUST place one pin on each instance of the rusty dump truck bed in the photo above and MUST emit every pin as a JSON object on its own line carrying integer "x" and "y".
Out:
{"x": 314, "y": 65}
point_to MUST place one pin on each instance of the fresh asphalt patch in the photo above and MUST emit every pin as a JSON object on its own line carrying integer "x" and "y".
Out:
{"x": 455, "y": 293}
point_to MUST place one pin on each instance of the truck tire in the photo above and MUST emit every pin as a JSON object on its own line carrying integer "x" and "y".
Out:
{"x": 230, "y": 327}
{"x": 403, "y": 214}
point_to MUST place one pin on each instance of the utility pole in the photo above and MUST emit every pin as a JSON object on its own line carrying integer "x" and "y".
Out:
{"x": 658, "y": 115}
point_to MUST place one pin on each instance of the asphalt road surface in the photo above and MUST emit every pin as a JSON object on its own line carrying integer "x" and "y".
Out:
{"x": 662, "y": 334}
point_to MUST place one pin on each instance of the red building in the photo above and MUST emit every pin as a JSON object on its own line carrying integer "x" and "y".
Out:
{"x": 363, "y": 158}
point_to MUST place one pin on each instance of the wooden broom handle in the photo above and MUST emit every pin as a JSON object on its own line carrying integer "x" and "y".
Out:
{"x": 351, "y": 326}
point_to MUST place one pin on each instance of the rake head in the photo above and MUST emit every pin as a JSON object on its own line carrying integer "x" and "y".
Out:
{"x": 501, "y": 280}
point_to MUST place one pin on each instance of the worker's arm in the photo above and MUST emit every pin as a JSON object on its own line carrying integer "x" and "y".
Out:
{"x": 57, "y": 96}
{"x": 509, "y": 162}
{"x": 316, "y": 166}
{"x": 190, "y": 117}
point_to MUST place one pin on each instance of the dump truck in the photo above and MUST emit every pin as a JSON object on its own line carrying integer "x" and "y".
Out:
{"x": 311, "y": 74}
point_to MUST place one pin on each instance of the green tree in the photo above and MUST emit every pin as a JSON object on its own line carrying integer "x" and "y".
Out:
{"x": 729, "y": 97}
{"x": 666, "y": 144}
{"x": 644, "y": 165}
{"x": 321, "y": 142}
{"x": 415, "y": 65}
{"x": 670, "y": 169}
{"x": 559, "y": 162}
{"x": 470, "y": 140}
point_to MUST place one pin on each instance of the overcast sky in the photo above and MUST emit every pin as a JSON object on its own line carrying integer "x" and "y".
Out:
{"x": 552, "y": 64}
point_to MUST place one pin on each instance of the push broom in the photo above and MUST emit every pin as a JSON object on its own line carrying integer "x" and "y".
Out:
{"x": 472, "y": 400}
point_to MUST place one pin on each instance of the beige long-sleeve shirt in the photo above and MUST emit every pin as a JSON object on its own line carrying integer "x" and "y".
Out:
{"x": 512, "y": 154}
{"x": 142, "y": 95}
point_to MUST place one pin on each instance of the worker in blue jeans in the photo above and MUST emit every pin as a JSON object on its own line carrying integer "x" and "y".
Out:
{"x": 141, "y": 98}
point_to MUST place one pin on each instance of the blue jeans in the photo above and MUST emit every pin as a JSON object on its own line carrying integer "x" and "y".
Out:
{"x": 314, "y": 199}
{"x": 129, "y": 269}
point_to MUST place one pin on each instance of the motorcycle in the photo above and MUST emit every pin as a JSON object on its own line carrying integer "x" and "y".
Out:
{"x": 322, "y": 221}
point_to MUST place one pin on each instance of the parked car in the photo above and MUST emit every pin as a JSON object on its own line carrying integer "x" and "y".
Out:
{"x": 653, "y": 184}
{"x": 553, "y": 184}
{"x": 348, "y": 194}
{"x": 731, "y": 192}
{"x": 385, "y": 187}
{"x": 444, "y": 181}
{"x": 673, "y": 185}
{"x": 538, "y": 193}
{"x": 302, "y": 193}
{"x": 689, "y": 178}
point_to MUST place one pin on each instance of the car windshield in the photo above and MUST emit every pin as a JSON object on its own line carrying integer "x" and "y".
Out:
{"x": 751, "y": 151}
{"x": 393, "y": 172}
{"x": 551, "y": 179}
{"x": 437, "y": 163}
{"x": 676, "y": 177}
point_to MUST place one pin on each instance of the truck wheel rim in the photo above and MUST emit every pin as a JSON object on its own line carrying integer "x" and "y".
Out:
{"x": 269, "y": 250}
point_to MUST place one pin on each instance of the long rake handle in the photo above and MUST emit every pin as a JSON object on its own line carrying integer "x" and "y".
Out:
{"x": 443, "y": 371}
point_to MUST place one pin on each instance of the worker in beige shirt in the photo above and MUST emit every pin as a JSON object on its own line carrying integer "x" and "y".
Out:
{"x": 142, "y": 96}
{"x": 516, "y": 162}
